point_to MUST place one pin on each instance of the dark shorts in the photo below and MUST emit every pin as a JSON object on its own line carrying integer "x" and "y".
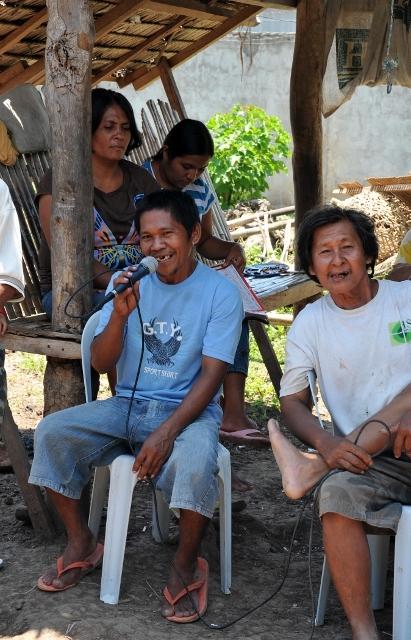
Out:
{"x": 375, "y": 498}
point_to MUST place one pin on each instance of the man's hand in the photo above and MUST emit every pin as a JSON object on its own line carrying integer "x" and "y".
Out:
{"x": 236, "y": 257}
{"x": 124, "y": 303}
{"x": 340, "y": 453}
{"x": 154, "y": 452}
{"x": 402, "y": 440}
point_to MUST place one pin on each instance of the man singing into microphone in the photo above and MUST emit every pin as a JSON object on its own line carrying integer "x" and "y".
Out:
{"x": 189, "y": 329}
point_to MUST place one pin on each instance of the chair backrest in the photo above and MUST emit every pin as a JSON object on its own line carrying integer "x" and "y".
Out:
{"x": 312, "y": 383}
{"x": 86, "y": 340}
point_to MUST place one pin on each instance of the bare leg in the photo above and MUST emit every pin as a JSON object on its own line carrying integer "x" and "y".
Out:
{"x": 348, "y": 557}
{"x": 192, "y": 529}
{"x": 80, "y": 541}
{"x": 235, "y": 418}
{"x": 300, "y": 471}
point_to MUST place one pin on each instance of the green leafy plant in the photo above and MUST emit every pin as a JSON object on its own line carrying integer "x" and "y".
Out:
{"x": 250, "y": 146}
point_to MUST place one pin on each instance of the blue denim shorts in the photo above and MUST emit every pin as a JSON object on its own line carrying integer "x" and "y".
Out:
{"x": 240, "y": 364}
{"x": 68, "y": 444}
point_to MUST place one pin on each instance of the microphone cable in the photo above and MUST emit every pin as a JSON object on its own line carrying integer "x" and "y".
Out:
{"x": 85, "y": 316}
{"x": 313, "y": 494}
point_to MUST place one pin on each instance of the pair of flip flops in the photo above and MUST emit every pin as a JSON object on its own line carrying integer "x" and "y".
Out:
{"x": 200, "y": 585}
{"x": 249, "y": 437}
{"x": 86, "y": 566}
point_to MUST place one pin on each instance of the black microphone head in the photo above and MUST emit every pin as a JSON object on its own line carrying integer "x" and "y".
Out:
{"x": 150, "y": 263}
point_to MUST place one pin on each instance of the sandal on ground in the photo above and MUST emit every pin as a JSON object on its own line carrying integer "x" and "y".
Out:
{"x": 89, "y": 564}
{"x": 200, "y": 586}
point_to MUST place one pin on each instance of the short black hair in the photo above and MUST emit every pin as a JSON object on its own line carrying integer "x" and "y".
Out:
{"x": 101, "y": 100}
{"x": 187, "y": 138}
{"x": 331, "y": 214}
{"x": 180, "y": 205}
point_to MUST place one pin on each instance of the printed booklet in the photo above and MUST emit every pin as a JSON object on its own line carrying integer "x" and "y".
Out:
{"x": 252, "y": 306}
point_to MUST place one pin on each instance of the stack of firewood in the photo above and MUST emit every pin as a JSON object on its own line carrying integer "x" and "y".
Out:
{"x": 256, "y": 222}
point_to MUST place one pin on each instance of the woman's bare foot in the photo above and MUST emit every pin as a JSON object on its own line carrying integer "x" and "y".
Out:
{"x": 300, "y": 471}
{"x": 237, "y": 421}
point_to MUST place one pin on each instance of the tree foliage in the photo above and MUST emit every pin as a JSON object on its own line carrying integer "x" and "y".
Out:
{"x": 249, "y": 147}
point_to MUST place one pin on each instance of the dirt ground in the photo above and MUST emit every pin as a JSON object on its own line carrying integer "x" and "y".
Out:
{"x": 261, "y": 540}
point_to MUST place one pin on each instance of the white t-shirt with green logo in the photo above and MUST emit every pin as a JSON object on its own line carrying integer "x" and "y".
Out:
{"x": 361, "y": 357}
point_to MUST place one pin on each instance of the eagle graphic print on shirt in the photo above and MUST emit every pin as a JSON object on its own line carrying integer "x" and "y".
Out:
{"x": 162, "y": 348}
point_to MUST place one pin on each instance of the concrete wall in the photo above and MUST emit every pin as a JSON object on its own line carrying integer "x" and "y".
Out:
{"x": 368, "y": 136}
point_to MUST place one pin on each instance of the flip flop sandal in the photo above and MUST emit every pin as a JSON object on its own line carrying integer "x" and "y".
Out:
{"x": 200, "y": 585}
{"x": 89, "y": 564}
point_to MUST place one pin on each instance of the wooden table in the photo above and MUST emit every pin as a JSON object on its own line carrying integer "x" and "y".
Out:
{"x": 275, "y": 292}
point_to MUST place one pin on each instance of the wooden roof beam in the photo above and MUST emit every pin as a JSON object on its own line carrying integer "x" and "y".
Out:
{"x": 31, "y": 74}
{"x": 19, "y": 33}
{"x": 133, "y": 53}
{"x": 11, "y": 72}
{"x": 143, "y": 76}
{"x": 271, "y": 4}
{"x": 112, "y": 18}
{"x": 191, "y": 8}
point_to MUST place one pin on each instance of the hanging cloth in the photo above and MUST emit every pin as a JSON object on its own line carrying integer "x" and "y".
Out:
{"x": 359, "y": 34}
{"x": 8, "y": 153}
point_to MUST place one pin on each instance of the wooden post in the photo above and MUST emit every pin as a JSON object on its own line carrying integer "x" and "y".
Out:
{"x": 267, "y": 353}
{"x": 39, "y": 514}
{"x": 305, "y": 105}
{"x": 170, "y": 88}
{"x": 70, "y": 39}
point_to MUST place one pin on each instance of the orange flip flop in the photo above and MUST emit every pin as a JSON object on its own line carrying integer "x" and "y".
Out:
{"x": 89, "y": 564}
{"x": 200, "y": 585}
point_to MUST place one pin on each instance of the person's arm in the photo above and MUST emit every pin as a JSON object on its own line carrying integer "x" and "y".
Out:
{"x": 101, "y": 276}
{"x": 338, "y": 452}
{"x": 400, "y": 272}
{"x": 106, "y": 348}
{"x": 45, "y": 209}
{"x": 158, "y": 445}
{"x": 214, "y": 248}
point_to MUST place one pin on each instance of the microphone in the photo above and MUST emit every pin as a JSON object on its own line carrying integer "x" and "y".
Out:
{"x": 146, "y": 266}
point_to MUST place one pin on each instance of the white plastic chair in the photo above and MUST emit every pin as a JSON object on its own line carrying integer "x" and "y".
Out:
{"x": 122, "y": 482}
{"x": 379, "y": 549}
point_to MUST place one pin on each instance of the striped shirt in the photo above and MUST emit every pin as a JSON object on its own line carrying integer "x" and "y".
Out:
{"x": 198, "y": 190}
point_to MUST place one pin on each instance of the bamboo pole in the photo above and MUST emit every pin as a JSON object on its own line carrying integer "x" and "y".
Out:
{"x": 235, "y": 222}
{"x": 244, "y": 233}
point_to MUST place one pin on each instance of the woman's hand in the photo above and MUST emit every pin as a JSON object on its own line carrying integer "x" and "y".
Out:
{"x": 236, "y": 257}
{"x": 124, "y": 303}
{"x": 340, "y": 453}
{"x": 154, "y": 452}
